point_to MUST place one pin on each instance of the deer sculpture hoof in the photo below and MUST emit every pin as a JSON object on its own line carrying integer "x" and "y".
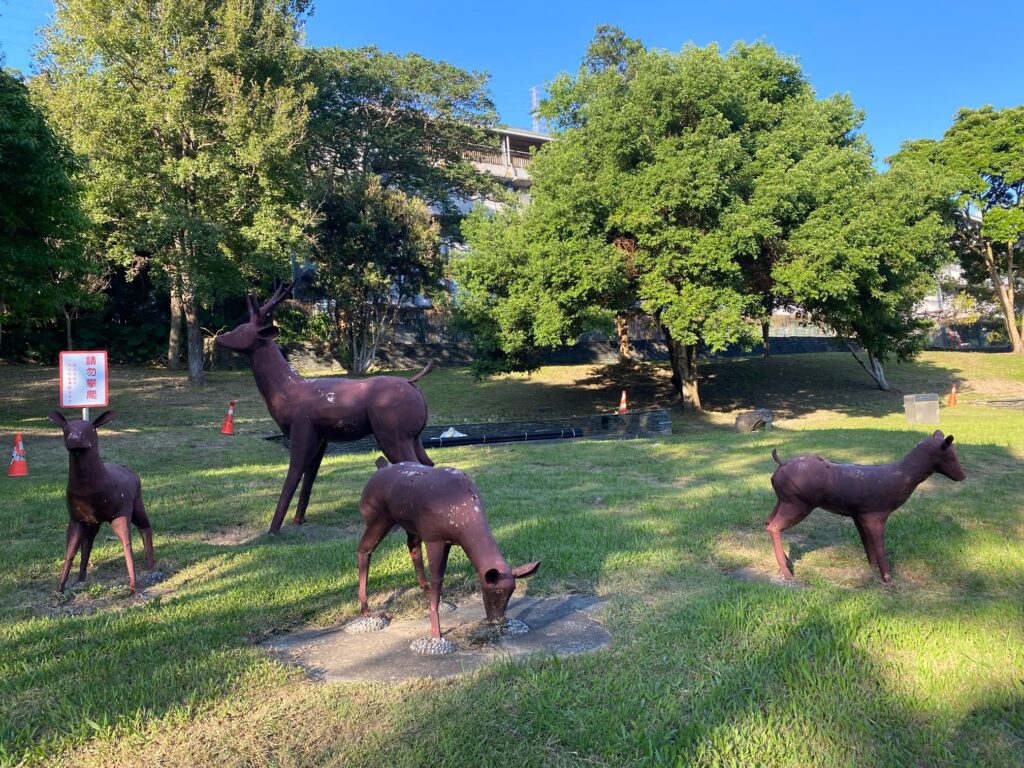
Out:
{"x": 432, "y": 646}
{"x": 365, "y": 624}
{"x": 445, "y": 607}
{"x": 512, "y": 627}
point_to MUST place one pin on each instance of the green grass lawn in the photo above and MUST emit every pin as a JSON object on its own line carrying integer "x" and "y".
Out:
{"x": 704, "y": 668}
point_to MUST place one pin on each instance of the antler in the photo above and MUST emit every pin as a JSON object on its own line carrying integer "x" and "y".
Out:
{"x": 280, "y": 294}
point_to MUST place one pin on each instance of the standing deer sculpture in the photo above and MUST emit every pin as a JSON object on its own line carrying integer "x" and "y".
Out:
{"x": 97, "y": 493}
{"x": 312, "y": 411}
{"x": 439, "y": 506}
{"x": 868, "y": 494}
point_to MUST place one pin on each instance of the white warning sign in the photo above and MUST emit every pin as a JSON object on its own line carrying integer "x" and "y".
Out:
{"x": 83, "y": 379}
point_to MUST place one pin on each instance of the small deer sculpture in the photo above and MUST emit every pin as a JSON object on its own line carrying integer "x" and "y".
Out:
{"x": 439, "y": 506}
{"x": 98, "y": 493}
{"x": 312, "y": 411}
{"x": 868, "y": 494}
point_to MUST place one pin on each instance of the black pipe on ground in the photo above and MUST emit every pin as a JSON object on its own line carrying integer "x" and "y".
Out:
{"x": 507, "y": 437}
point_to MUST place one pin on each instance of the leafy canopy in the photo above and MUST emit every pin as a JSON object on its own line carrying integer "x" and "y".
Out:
{"x": 42, "y": 263}
{"x": 386, "y": 153}
{"x": 703, "y": 188}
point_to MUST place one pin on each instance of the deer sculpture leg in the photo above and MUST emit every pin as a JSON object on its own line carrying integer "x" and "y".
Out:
{"x": 788, "y": 515}
{"x": 874, "y": 528}
{"x": 376, "y": 530}
{"x": 307, "y": 483}
{"x": 416, "y": 554}
{"x": 123, "y": 531}
{"x": 141, "y": 521}
{"x": 396, "y": 445}
{"x": 76, "y": 532}
{"x": 87, "y": 539}
{"x": 437, "y": 559}
{"x": 303, "y": 449}
{"x": 421, "y": 453}
{"x": 864, "y": 540}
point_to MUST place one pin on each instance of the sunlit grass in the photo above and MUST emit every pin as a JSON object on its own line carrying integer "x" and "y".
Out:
{"x": 704, "y": 668}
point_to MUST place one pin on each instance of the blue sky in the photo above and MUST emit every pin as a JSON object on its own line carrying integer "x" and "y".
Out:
{"x": 909, "y": 65}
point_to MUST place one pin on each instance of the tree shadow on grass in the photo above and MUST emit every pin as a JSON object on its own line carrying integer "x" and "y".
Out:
{"x": 739, "y": 675}
{"x": 789, "y": 385}
{"x": 646, "y": 530}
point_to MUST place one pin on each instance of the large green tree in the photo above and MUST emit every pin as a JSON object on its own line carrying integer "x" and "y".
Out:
{"x": 693, "y": 186}
{"x": 982, "y": 154}
{"x": 387, "y": 169}
{"x": 43, "y": 267}
{"x": 190, "y": 116}
{"x": 861, "y": 264}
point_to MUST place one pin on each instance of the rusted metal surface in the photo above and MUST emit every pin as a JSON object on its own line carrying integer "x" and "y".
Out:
{"x": 310, "y": 412}
{"x": 866, "y": 493}
{"x": 439, "y": 507}
{"x": 98, "y": 493}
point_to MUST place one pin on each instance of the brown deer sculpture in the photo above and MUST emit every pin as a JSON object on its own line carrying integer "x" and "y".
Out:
{"x": 868, "y": 494}
{"x": 438, "y": 506}
{"x": 312, "y": 411}
{"x": 97, "y": 493}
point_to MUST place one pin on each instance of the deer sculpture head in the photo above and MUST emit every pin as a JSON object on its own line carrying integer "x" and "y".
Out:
{"x": 255, "y": 331}
{"x": 944, "y": 458}
{"x": 79, "y": 434}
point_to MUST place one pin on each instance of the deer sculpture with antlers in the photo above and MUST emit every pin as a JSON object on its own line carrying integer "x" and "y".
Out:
{"x": 312, "y": 411}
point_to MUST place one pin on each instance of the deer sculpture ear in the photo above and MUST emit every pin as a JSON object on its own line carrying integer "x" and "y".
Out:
{"x": 270, "y": 332}
{"x": 58, "y": 418}
{"x": 947, "y": 442}
{"x": 103, "y": 418}
{"x": 381, "y": 462}
{"x": 937, "y": 433}
{"x": 522, "y": 571}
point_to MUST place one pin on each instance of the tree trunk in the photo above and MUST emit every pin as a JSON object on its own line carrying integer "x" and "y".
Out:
{"x": 877, "y": 373}
{"x": 872, "y": 366}
{"x": 684, "y": 371}
{"x": 673, "y": 358}
{"x": 766, "y": 350}
{"x": 691, "y": 397}
{"x": 67, "y": 329}
{"x": 1005, "y": 296}
{"x": 622, "y": 332}
{"x": 174, "y": 338}
{"x": 194, "y": 335}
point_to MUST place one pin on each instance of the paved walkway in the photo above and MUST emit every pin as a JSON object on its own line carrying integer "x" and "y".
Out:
{"x": 559, "y": 626}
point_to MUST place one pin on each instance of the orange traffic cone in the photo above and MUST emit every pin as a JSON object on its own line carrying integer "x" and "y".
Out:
{"x": 19, "y": 467}
{"x": 952, "y": 396}
{"x": 228, "y": 427}
{"x": 622, "y": 402}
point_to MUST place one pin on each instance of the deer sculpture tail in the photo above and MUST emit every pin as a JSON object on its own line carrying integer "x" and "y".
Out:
{"x": 426, "y": 369}
{"x": 775, "y": 456}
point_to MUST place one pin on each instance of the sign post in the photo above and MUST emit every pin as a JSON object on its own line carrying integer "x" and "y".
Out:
{"x": 83, "y": 380}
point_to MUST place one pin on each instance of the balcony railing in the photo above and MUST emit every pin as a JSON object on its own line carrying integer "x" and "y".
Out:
{"x": 490, "y": 156}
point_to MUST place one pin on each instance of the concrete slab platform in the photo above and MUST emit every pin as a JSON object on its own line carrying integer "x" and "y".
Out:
{"x": 561, "y": 626}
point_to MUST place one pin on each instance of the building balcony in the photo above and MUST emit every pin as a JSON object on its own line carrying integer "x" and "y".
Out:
{"x": 511, "y": 159}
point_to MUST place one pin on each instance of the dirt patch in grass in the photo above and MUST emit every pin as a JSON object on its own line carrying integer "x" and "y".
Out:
{"x": 816, "y": 549}
{"x": 244, "y": 535}
{"x": 104, "y": 592}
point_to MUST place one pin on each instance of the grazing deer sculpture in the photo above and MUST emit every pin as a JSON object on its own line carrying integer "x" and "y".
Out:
{"x": 98, "y": 493}
{"x": 868, "y": 494}
{"x": 439, "y": 506}
{"x": 312, "y": 411}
